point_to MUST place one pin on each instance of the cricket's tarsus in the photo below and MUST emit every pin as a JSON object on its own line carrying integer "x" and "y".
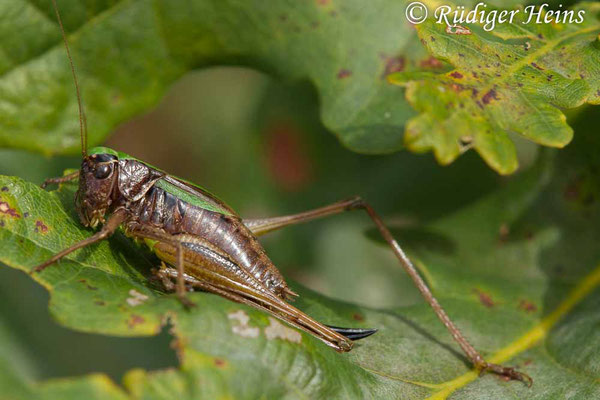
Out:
{"x": 208, "y": 246}
{"x": 62, "y": 179}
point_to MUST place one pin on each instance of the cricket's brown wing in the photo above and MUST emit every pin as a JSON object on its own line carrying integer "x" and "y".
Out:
{"x": 210, "y": 268}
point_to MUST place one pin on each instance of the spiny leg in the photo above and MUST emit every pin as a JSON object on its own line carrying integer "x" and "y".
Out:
{"x": 180, "y": 290}
{"x": 62, "y": 179}
{"x": 350, "y": 333}
{"x": 108, "y": 229}
{"x": 265, "y": 225}
{"x": 149, "y": 232}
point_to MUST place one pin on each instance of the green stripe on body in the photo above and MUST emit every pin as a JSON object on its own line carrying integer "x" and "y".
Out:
{"x": 190, "y": 198}
{"x": 166, "y": 186}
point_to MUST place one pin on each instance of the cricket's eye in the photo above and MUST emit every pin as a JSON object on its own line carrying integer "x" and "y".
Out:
{"x": 102, "y": 171}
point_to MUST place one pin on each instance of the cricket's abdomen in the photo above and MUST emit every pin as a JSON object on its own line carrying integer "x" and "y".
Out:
{"x": 226, "y": 232}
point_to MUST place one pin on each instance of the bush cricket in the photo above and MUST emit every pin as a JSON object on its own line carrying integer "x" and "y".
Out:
{"x": 204, "y": 244}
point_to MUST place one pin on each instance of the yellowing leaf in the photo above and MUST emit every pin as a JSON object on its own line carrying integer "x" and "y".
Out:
{"x": 517, "y": 79}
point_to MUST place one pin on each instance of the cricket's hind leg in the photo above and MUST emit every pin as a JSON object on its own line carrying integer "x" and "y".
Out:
{"x": 265, "y": 225}
{"x": 168, "y": 274}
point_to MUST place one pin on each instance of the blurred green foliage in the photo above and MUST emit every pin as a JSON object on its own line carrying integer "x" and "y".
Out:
{"x": 521, "y": 83}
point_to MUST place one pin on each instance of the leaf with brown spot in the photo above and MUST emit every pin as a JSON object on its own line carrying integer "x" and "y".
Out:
{"x": 220, "y": 363}
{"x": 484, "y": 298}
{"x": 135, "y": 320}
{"x": 6, "y": 209}
{"x": 527, "y": 306}
{"x": 344, "y": 73}
{"x": 40, "y": 227}
{"x": 519, "y": 84}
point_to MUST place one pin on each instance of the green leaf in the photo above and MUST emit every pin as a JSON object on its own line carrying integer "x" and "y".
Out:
{"x": 518, "y": 272}
{"x": 127, "y": 53}
{"x": 517, "y": 84}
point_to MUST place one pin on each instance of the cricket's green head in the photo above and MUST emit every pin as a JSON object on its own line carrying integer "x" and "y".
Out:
{"x": 97, "y": 182}
{"x": 107, "y": 151}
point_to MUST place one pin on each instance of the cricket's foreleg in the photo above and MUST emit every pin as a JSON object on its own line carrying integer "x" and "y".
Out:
{"x": 149, "y": 232}
{"x": 108, "y": 229}
{"x": 261, "y": 226}
{"x": 62, "y": 179}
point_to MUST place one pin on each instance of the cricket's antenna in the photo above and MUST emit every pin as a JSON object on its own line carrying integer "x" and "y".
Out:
{"x": 82, "y": 119}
